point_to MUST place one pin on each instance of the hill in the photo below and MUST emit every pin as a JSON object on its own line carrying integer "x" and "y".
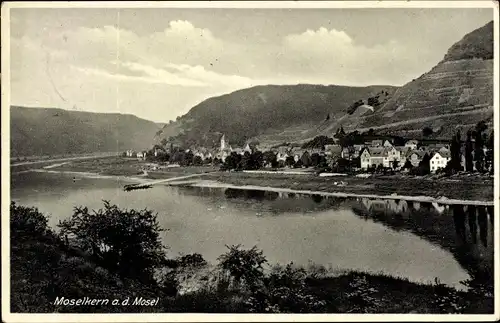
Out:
{"x": 266, "y": 110}
{"x": 454, "y": 95}
{"x": 49, "y": 131}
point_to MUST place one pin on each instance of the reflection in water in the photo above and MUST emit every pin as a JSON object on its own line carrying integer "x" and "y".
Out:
{"x": 439, "y": 207}
{"x": 472, "y": 222}
{"x": 459, "y": 220}
{"x": 251, "y": 194}
{"x": 426, "y": 206}
{"x": 448, "y": 226}
{"x": 317, "y": 198}
{"x": 416, "y": 206}
{"x": 490, "y": 214}
{"x": 483, "y": 225}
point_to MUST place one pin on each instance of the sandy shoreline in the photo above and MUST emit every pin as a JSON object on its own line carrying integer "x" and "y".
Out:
{"x": 422, "y": 199}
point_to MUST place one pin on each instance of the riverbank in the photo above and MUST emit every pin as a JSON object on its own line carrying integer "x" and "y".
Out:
{"x": 464, "y": 189}
{"x": 474, "y": 188}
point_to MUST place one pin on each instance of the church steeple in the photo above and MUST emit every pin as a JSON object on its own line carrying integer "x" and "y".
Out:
{"x": 223, "y": 142}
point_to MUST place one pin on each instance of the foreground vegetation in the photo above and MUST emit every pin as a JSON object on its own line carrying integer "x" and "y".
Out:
{"x": 114, "y": 253}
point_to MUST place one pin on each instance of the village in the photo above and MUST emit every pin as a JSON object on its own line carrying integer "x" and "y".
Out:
{"x": 419, "y": 157}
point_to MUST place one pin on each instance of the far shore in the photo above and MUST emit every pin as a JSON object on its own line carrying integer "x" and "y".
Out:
{"x": 422, "y": 199}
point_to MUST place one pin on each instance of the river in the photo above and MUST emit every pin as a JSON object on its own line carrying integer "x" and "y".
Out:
{"x": 419, "y": 241}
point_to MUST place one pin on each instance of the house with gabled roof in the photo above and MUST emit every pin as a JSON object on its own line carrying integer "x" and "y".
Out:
{"x": 439, "y": 160}
{"x": 387, "y": 144}
{"x": 375, "y": 156}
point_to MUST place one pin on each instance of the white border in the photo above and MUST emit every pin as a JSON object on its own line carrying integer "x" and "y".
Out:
{"x": 5, "y": 140}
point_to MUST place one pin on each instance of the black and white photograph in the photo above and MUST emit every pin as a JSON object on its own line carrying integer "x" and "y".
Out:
{"x": 175, "y": 161}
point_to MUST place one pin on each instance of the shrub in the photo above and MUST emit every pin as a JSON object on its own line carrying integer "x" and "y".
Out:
{"x": 243, "y": 265}
{"x": 192, "y": 260}
{"x": 285, "y": 291}
{"x": 26, "y": 221}
{"x": 126, "y": 241}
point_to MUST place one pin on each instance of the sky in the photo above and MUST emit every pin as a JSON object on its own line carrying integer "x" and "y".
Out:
{"x": 159, "y": 63}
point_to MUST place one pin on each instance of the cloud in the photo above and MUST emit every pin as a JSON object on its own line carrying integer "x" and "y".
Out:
{"x": 211, "y": 78}
{"x": 334, "y": 55}
{"x": 114, "y": 70}
{"x": 167, "y": 72}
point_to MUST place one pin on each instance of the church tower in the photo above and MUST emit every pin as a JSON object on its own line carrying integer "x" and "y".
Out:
{"x": 223, "y": 143}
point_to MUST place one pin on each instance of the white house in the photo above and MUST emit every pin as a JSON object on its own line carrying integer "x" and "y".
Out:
{"x": 439, "y": 160}
{"x": 365, "y": 159}
{"x": 375, "y": 156}
{"x": 141, "y": 155}
{"x": 379, "y": 156}
{"x": 394, "y": 155}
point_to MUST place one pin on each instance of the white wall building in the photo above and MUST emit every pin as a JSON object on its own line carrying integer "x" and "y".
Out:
{"x": 439, "y": 160}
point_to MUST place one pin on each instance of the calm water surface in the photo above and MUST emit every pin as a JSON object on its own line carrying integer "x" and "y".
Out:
{"x": 414, "y": 240}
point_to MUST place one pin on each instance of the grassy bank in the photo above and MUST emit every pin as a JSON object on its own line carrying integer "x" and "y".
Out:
{"x": 463, "y": 188}
{"x": 119, "y": 166}
{"x": 45, "y": 266}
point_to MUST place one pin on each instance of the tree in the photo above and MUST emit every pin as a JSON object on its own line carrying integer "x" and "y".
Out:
{"x": 305, "y": 159}
{"x": 315, "y": 159}
{"x": 257, "y": 159}
{"x": 395, "y": 164}
{"x": 26, "y": 221}
{"x": 479, "y": 146}
{"x": 270, "y": 158}
{"x": 407, "y": 165}
{"x": 123, "y": 241}
{"x": 490, "y": 145}
{"x": 469, "y": 163}
{"x": 197, "y": 161}
{"x": 427, "y": 131}
{"x": 290, "y": 161}
{"x": 243, "y": 265}
{"x": 232, "y": 161}
{"x": 341, "y": 165}
{"x": 373, "y": 101}
{"x": 187, "y": 159}
{"x": 424, "y": 166}
{"x": 246, "y": 161}
{"x": 455, "y": 147}
{"x": 323, "y": 163}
